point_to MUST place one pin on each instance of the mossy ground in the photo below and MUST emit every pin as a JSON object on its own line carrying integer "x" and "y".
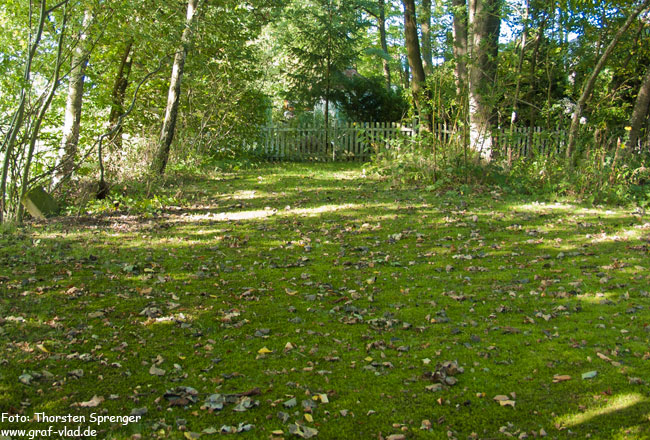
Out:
{"x": 366, "y": 282}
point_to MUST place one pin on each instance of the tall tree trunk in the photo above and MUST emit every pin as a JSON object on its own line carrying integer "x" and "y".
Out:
{"x": 405, "y": 73}
{"x": 591, "y": 82}
{"x": 74, "y": 101}
{"x": 173, "y": 97}
{"x": 17, "y": 120}
{"x": 328, "y": 78}
{"x": 33, "y": 138}
{"x": 119, "y": 91}
{"x": 484, "y": 25}
{"x": 534, "y": 81}
{"x": 515, "y": 97}
{"x": 381, "y": 24}
{"x": 640, "y": 112}
{"x": 520, "y": 63}
{"x": 425, "y": 26}
{"x": 460, "y": 45}
{"x": 418, "y": 84}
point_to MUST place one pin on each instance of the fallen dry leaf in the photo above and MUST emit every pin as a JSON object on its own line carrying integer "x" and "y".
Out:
{"x": 92, "y": 403}
{"x": 155, "y": 371}
{"x": 504, "y": 400}
{"x": 561, "y": 378}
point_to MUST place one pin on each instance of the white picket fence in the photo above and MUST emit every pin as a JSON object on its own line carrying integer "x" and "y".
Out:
{"x": 359, "y": 140}
{"x": 531, "y": 141}
{"x": 342, "y": 141}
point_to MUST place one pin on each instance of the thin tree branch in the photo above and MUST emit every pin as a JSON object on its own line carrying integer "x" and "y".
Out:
{"x": 53, "y": 169}
{"x": 55, "y": 7}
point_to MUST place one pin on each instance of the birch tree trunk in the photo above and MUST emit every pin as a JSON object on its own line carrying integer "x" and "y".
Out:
{"x": 588, "y": 88}
{"x": 640, "y": 112}
{"x": 173, "y": 96}
{"x": 484, "y": 25}
{"x": 74, "y": 101}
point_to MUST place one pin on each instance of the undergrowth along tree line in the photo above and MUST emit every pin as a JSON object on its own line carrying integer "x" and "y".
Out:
{"x": 95, "y": 93}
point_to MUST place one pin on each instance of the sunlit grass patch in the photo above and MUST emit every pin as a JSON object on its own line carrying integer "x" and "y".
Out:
{"x": 358, "y": 291}
{"x": 613, "y": 405}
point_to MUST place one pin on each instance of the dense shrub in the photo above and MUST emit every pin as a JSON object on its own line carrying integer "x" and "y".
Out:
{"x": 368, "y": 99}
{"x": 602, "y": 177}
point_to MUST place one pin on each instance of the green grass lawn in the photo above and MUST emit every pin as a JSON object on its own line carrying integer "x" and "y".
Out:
{"x": 310, "y": 297}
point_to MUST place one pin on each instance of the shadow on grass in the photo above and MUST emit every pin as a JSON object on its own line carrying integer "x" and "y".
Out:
{"x": 392, "y": 275}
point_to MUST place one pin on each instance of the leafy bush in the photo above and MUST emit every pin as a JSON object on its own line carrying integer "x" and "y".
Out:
{"x": 424, "y": 160}
{"x": 368, "y": 99}
{"x": 603, "y": 176}
{"x": 148, "y": 197}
